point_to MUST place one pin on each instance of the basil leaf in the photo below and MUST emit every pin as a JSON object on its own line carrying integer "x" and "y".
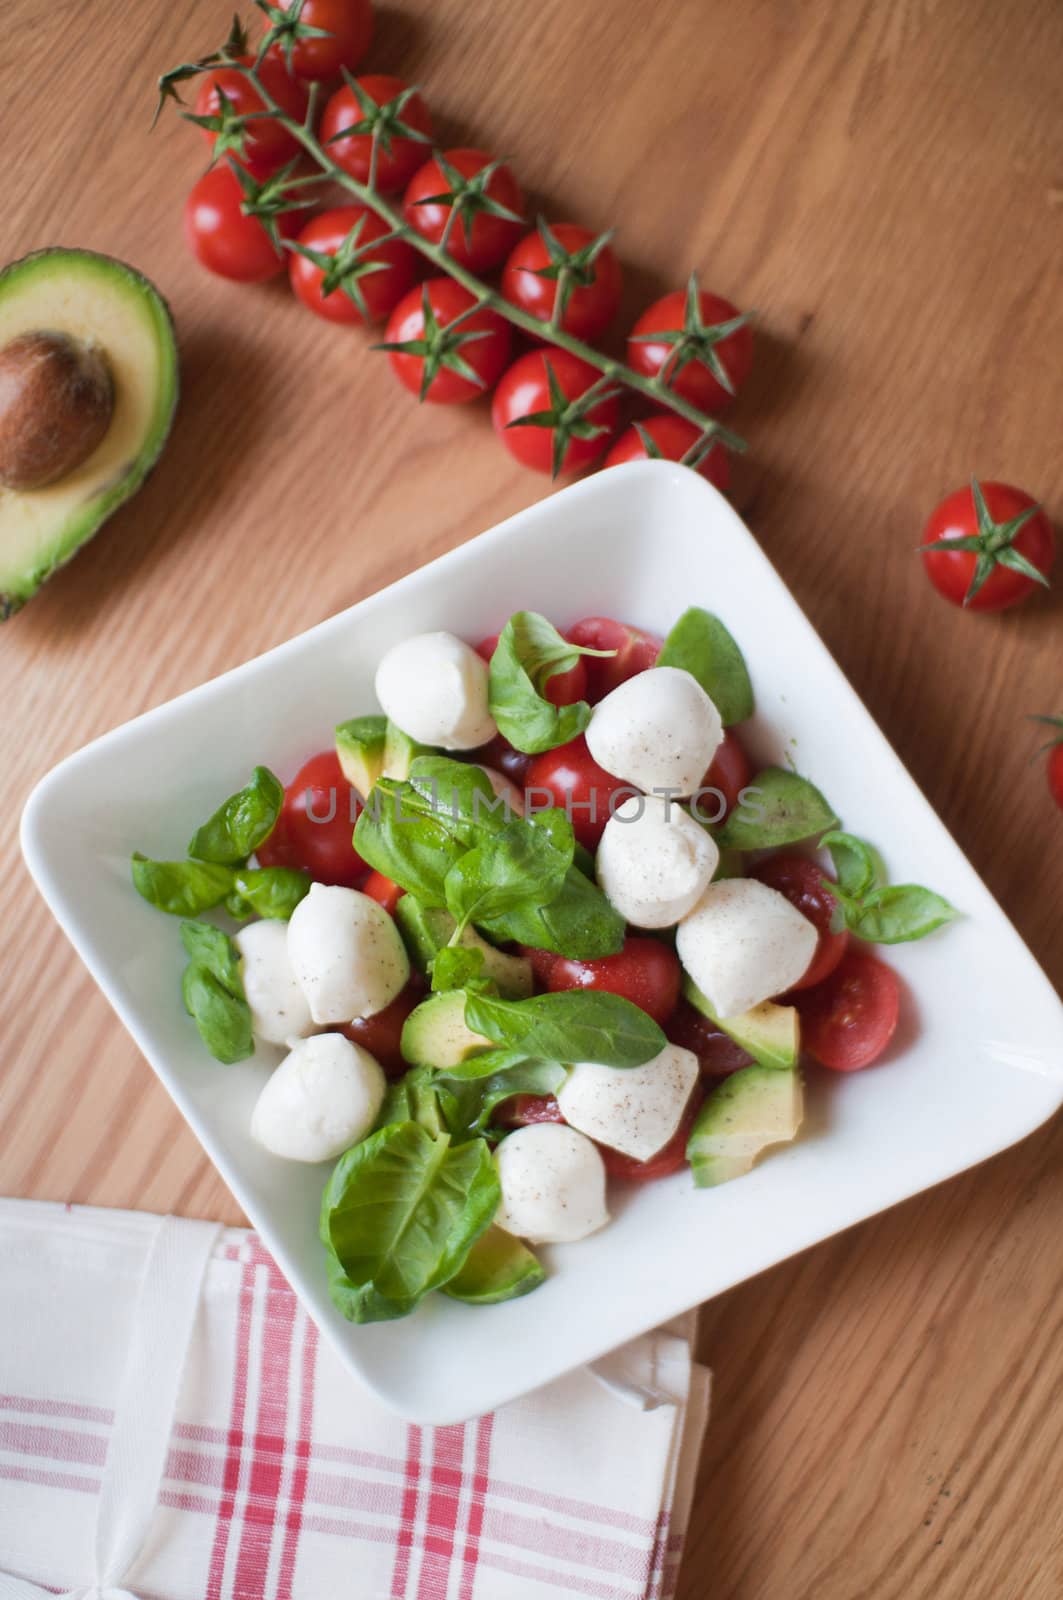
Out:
{"x": 222, "y": 1017}
{"x": 580, "y": 923}
{"x": 455, "y": 966}
{"x": 401, "y": 1212}
{"x": 522, "y": 862}
{"x": 268, "y": 892}
{"x": 181, "y": 888}
{"x": 456, "y": 794}
{"x": 244, "y": 822}
{"x": 469, "y": 1102}
{"x": 573, "y": 1025}
{"x": 412, "y": 1098}
{"x": 897, "y": 914}
{"x": 780, "y": 809}
{"x": 854, "y": 862}
{"x": 358, "y": 1304}
{"x": 485, "y": 1063}
{"x": 415, "y": 849}
{"x": 208, "y": 947}
{"x": 701, "y": 645}
{"x": 530, "y": 652}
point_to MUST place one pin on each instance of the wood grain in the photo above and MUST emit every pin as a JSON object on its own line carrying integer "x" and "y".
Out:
{"x": 883, "y": 180}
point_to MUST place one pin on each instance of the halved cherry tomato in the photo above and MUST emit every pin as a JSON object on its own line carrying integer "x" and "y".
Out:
{"x": 392, "y": 266}
{"x": 380, "y": 1034}
{"x": 524, "y": 1109}
{"x": 575, "y": 782}
{"x": 525, "y": 391}
{"x": 485, "y": 354}
{"x": 267, "y": 142}
{"x": 635, "y": 651}
{"x": 398, "y": 157}
{"x": 1007, "y": 526}
{"x": 645, "y": 971}
{"x": 670, "y": 438}
{"x": 591, "y": 304}
{"x": 313, "y": 831}
{"x": 666, "y": 357}
{"x": 672, "y": 1158}
{"x": 729, "y": 774}
{"x": 501, "y": 755}
{"x": 223, "y": 239}
{"x": 717, "y": 1052}
{"x": 348, "y": 25}
{"x": 801, "y": 881}
{"x": 478, "y": 239}
{"x": 848, "y": 1020}
{"x": 563, "y": 689}
{"x": 383, "y": 891}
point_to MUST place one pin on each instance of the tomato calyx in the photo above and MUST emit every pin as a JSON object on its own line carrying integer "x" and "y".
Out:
{"x": 696, "y": 340}
{"x": 440, "y": 346}
{"x": 993, "y": 545}
{"x": 1057, "y": 737}
{"x": 467, "y": 198}
{"x": 350, "y": 262}
{"x": 567, "y": 418}
{"x": 267, "y": 199}
{"x": 382, "y": 123}
{"x": 230, "y": 52}
{"x": 569, "y": 269}
{"x": 229, "y": 126}
{"x": 699, "y": 451}
{"x": 286, "y": 29}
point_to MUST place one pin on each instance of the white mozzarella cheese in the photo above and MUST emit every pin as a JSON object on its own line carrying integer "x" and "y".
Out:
{"x": 434, "y": 687}
{"x": 743, "y": 943}
{"x": 635, "y": 1110}
{"x": 658, "y": 731}
{"x": 553, "y": 1184}
{"x": 324, "y": 1097}
{"x": 279, "y": 1008}
{"x": 346, "y": 954}
{"x": 654, "y": 861}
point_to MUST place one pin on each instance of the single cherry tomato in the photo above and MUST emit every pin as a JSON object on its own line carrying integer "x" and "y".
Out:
{"x": 501, "y": 755}
{"x": 849, "y": 1019}
{"x": 542, "y": 962}
{"x": 718, "y": 1054}
{"x": 1054, "y": 750}
{"x": 478, "y": 188}
{"x": 801, "y": 881}
{"x": 563, "y": 689}
{"x": 314, "y": 829}
{"x": 383, "y": 891}
{"x": 531, "y": 277}
{"x": 348, "y": 26}
{"x": 573, "y": 780}
{"x": 223, "y": 239}
{"x": 378, "y": 280}
{"x": 446, "y": 367}
{"x": 672, "y": 1158}
{"x": 398, "y": 156}
{"x": 635, "y": 651}
{"x": 558, "y": 445}
{"x": 701, "y": 354}
{"x": 266, "y": 143}
{"x": 988, "y": 547}
{"x": 729, "y": 774}
{"x": 645, "y": 971}
{"x": 380, "y": 1034}
{"x": 521, "y": 1110}
{"x": 668, "y": 438}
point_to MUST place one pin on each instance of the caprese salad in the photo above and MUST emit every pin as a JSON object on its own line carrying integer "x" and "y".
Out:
{"x": 533, "y": 927}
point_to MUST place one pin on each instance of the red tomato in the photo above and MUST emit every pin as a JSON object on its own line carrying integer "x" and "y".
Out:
{"x": 525, "y": 389}
{"x": 398, "y": 157}
{"x": 672, "y": 1158}
{"x": 717, "y": 1053}
{"x": 450, "y": 355}
{"x": 1055, "y": 774}
{"x": 801, "y": 881}
{"x": 563, "y": 689}
{"x": 635, "y": 651}
{"x": 313, "y": 831}
{"x": 223, "y": 239}
{"x": 849, "y": 1019}
{"x": 694, "y": 379}
{"x": 501, "y": 755}
{"x": 645, "y": 971}
{"x": 380, "y": 289}
{"x": 380, "y": 1034}
{"x": 981, "y": 539}
{"x": 267, "y": 142}
{"x": 524, "y": 1109}
{"x": 595, "y": 295}
{"x": 670, "y": 439}
{"x": 573, "y": 780}
{"x": 729, "y": 773}
{"x": 349, "y": 26}
{"x": 477, "y": 240}
{"x": 383, "y": 891}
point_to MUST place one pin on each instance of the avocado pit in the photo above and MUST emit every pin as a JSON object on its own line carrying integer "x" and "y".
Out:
{"x": 56, "y": 405}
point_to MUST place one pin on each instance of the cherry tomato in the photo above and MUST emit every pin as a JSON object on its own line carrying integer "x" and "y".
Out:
{"x": 525, "y": 389}
{"x": 478, "y": 240}
{"x": 729, "y": 773}
{"x": 267, "y": 142}
{"x": 563, "y": 689}
{"x": 485, "y": 354}
{"x": 524, "y": 1109}
{"x": 595, "y": 295}
{"x": 717, "y": 1053}
{"x": 223, "y": 239}
{"x": 849, "y": 1019}
{"x": 383, "y": 891}
{"x": 801, "y": 881}
{"x": 313, "y": 831}
{"x": 645, "y": 971}
{"x": 380, "y": 1034}
{"x": 670, "y": 438}
{"x": 988, "y": 525}
{"x": 575, "y": 782}
{"x": 694, "y": 379}
{"x": 380, "y": 289}
{"x": 398, "y": 157}
{"x": 635, "y": 651}
{"x": 672, "y": 1158}
{"x": 1055, "y": 774}
{"x": 349, "y": 26}
{"x": 501, "y": 755}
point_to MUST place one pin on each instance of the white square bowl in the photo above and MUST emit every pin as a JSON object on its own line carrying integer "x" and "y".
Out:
{"x": 981, "y": 1064}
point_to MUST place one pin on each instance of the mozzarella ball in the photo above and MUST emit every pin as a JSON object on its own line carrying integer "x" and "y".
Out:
{"x": 658, "y": 731}
{"x": 654, "y": 861}
{"x": 635, "y": 1110}
{"x": 553, "y": 1184}
{"x": 505, "y": 791}
{"x": 346, "y": 954}
{"x": 325, "y": 1096}
{"x": 744, "y": 943}
{"x": 434, "y": 686}
{"x": 279, "y": 1009}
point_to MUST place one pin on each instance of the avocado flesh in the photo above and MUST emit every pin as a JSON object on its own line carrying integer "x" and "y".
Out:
{"x": 426, "y": 929}
{"x": 435, "y": 1034}
{"x": 360, "y": 748}
{"x": 770, "y": 1033}
{"x": 109, "y": 305}
{"x": 400, "y": 753}
{"x": 752, "y": 1109}
{"x": 497, "y": 1268}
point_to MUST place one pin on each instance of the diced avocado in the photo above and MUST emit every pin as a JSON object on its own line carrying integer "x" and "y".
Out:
{"x": 80, "y": 429}
{"x": 360, "y": 747}
{"x": 752, "y": 1109}
{"x": 426, "y": 929}
{"x": 400, "y": 753}
{"x": 771, "y": 1033}
{"x": 497, "y": 1268}
{"x": 435, "y": 1033}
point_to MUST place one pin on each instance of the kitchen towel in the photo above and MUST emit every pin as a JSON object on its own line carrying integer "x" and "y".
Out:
{"x": 172, "y": 1428}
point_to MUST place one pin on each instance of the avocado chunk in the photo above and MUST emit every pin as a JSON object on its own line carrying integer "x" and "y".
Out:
{"x": 497, "y": 1268}
{"x": 400, "y": 753}
{"x": 770, "y": 1033}
{"x": 360, "y": 748}
{"x": 426, "y": 929}
{"x": 88, "y": 386}
{"x": 752, "y": 1109}
{"x": 435, "y": 1033}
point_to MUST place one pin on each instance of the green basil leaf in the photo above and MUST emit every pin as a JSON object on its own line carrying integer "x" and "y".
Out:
{"x": 485, "y": 1063}
{"x": 244, "y": 822}
{"x": 530, "y": 651}
{"x": 778, "y": 807}
{"x": 208, "y": 947}
{"x": 358, "y": 1304}
{"x": 701, "y": 645}
{"x": 455, "y": 966}
{"x": 580, "y": 923}
{"x": 412, "y": 1098}
{"x": 573, "y": 1025}
{"x": 456, "y": 794}
{"x": 223, "y": 1018}
{"x": 269, "y": 891}
{"x": 521, "y": 863}
{"x": 469, "y": 1102}
{"x": 897, "y": 914}
{"x": 181, "y": 888}
{"x": 416, "y": 849}
{"x": 854, "y": 862}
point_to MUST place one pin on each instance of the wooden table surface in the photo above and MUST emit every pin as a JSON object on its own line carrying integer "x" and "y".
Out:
{"x": 884, "y": 182}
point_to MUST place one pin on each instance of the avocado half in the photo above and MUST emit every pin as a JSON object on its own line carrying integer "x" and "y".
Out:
{"x": 112, "y": 309}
